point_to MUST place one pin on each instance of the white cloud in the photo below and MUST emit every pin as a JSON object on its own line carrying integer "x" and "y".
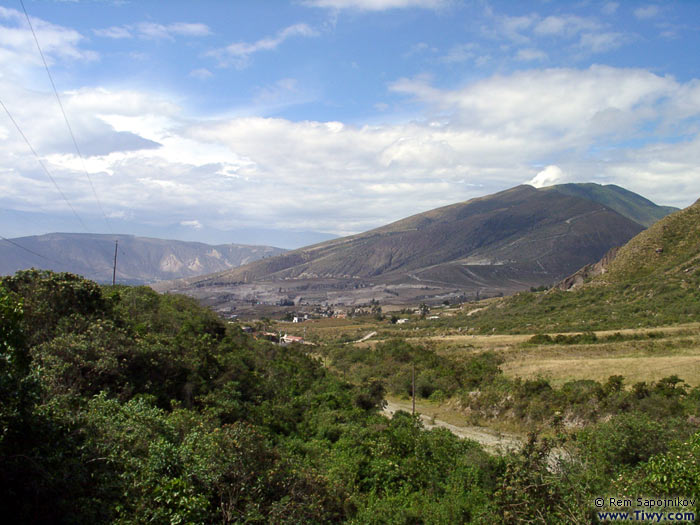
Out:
{"x": 603, "y": 42}
{"x": 114, "y": 32}
{"x": 530, "y": 54}
{"x": 239, "y": 53}
{"x": 201, "y": 73}
{"x": 579, "y": 33}
{"x": 192, "y": 224}
{"x": 18, "y": 50}
{"x": 460, "y": 53}
{"x": 275, "y": 94}
{"x": 610, "y": 8}
{"x": 417, "y": 49}
{"x": 553, "y": 104}
{"x": 512, "y": 27}
{"x": 548, "y": 177}
{"x": 646, "y": 12}
{"x": 566, "y": 25}
{"x": 154, "y": 31}
{"x": 376, "y": 5}
{"x": 158, "y": 31}
{"x": 332, "y": 176}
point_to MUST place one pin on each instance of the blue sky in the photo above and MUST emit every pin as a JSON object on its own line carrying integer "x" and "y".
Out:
{"x": 337, "y": 115}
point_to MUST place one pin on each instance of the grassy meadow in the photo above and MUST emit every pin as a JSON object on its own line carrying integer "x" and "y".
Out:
{"x": 638, "y": 354}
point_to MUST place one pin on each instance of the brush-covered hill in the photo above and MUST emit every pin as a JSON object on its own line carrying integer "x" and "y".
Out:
{"x": 500, "y": 243}
{"x": 139, "y": 259}
{"x": 653, "y": 280}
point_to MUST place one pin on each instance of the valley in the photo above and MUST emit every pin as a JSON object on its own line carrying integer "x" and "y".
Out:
{"x": 363, "y": 262}
{"x": 543, "y": 399}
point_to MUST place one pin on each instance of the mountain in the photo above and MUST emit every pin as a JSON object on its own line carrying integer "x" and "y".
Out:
{"x": 497, "y": 244}
{"x": 139, "y": 259}
{"x": 17, "y": 223}
{"x": 667, "y": 252}
{"x": 653, "y": 280}
{"x": 624, "y": 202}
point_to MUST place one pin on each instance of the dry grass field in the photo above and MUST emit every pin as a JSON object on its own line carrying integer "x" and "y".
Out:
{"x": 329, "y": 330}
{"x": 633, "y": 369}
{"x": 671, "y": 350}
{"x": 637, "y": 357}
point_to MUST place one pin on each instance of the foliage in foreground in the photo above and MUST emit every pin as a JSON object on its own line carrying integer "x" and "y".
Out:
{"x": 130, "y": 407}
{"x": 123, "y": 406}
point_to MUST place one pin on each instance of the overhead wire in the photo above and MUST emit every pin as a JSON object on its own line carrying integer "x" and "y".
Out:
{"x": 28, "y": 250}
{"x": 65, "y": 118}
{"x": 43, "y": 166}
{"x": 104, "y": 274}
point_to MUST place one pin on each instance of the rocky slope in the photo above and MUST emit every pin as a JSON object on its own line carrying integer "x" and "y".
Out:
{"x": 496, "y": 244}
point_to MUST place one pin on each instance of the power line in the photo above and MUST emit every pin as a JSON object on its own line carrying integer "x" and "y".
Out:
{"x": 65, "y": 117}
{"x": 41, "y": 163}
{"x": 93, "y": 273}
{"x": 27, "y": 249}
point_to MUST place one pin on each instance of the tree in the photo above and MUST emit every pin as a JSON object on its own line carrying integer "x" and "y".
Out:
{"x": 15, "y": 386}
{"x": 424, "y": 310}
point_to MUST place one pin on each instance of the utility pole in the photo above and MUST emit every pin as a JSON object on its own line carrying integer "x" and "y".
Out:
{"x": 114, "y": 270}
{"x": 413, "y": 387}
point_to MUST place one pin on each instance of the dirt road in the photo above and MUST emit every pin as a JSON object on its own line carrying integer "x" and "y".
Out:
{"x": 490, "y": 440}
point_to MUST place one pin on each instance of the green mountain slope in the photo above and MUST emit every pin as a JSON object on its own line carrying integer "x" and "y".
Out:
{"x": 624, "y": 202}
{"x": 669, "y": 249}
{"x": 653, "y": 280}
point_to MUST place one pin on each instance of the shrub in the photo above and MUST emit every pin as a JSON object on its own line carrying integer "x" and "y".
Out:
{"x": 625, "y": 440}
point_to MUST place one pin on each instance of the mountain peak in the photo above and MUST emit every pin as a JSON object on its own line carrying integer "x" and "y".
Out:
{"x": 624, "y": 202}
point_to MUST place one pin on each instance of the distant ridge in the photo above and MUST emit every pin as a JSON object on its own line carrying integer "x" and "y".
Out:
{"x": 496, "y": 244}
{"x": 624, "y": 202}
{"x": 141, "y": 260}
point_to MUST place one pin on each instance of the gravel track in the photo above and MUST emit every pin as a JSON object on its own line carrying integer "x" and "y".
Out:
{"x": 492, "y": 441}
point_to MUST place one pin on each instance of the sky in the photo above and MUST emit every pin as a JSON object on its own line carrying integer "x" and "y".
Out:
{"x": 200, "y": 119}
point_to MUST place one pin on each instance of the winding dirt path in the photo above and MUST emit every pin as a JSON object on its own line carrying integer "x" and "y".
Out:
{"x": 494, "y": 442}
{"x": 371, "y": 334}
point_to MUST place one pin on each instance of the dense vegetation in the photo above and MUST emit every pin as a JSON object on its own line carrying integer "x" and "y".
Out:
{"x": 123, "y": 406}
{"x": 120, "y": 405}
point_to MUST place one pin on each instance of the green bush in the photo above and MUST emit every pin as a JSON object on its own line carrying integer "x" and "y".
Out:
{"x": 625, "y": 440}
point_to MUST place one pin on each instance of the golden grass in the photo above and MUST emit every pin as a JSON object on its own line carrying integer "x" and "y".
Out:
{"x": 633, "y": 369}
{"x": 675, "y": 351}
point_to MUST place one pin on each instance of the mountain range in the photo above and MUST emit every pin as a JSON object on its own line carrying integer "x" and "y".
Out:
{"x": 140, "y": 260}
{"x": 16, "y": 223}
{"x": 497, "y": 244}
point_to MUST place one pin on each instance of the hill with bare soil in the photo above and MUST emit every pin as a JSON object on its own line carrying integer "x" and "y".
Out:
{"x": 498, "y": 244}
